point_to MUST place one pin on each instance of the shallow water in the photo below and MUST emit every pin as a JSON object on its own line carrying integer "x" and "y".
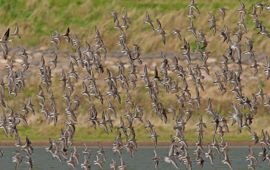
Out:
{"x": 42, "y": 160}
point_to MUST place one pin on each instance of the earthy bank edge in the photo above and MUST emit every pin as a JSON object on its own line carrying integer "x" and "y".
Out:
{"x": 109, "y": 143}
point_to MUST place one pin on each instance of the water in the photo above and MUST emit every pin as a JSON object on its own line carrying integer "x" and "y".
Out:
{"x": 42, "y": 160}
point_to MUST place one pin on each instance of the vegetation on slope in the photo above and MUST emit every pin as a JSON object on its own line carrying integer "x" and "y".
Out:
{"x": 38, "y": 19}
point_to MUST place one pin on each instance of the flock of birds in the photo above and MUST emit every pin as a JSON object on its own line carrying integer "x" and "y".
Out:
{"x": 85, "y": 72}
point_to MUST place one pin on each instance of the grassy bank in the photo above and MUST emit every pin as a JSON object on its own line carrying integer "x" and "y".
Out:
{"x": 38, "y": 19}
{"x": 38, "y": 128}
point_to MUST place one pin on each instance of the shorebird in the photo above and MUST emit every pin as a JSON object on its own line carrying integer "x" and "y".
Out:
{"x": 75, "y": 155}
{"x": 1, "y": 153}
{"x": 71, "y": 161}
{"x": 149, "y": 21}
{"x": 267, "y": 68}
{"x": 209, "y": 155}
{"x": 86, "y": 165}
{"x": 161, "y": 31}
{"x": 27, "y": 147}
{"x": 17, "y": 159}
{"x": 122, "y": 165}
{"x": 212, "y": 22}
{"x": 156, "y": 159}
{"x": 263, "y": 154}
{"x": 193, "y": 6}
{"x": 237, "y": 117}
{"x": 98, "y": 162}
{"x": 154, "y": 136}
{"x": 177, "y": 33}
{"x": 16, "y": 31}
{"x": 4, "y": 40}
{"x": 101, "y": 152}
{"x": 86, "y": 152}
{"x": 226, "y": 160}
{"x": 115, "y": 16}
{"x": 66, "y": 35}
{"x": 5, "y": 37}
{"x": 222, "y": 12}
{"x": 113, "y": 165}
{"x": 252, "y": 159}
{"x": 29, "y": 162}
{"x": 170, "y": 161}
{"x": 55, "y": 38}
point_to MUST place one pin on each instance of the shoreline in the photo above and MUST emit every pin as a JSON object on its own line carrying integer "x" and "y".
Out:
{"x": 109, "y": 143}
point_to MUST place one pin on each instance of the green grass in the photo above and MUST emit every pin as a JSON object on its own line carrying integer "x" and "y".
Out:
{"x": 38, "y": 19}
{"x": 39, "y": 130}
{"x": 91, "y": 135}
